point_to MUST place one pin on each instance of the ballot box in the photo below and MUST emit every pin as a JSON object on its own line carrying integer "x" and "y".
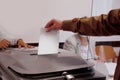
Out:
{"x": 20, "y": 65}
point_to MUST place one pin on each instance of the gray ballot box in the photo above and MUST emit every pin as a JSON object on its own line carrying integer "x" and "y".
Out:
{"x": 20, "y": 65}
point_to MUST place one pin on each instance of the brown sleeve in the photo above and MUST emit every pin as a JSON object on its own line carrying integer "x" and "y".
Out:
{"x": 70, "y": 25}
{"x": 97, "y": 25}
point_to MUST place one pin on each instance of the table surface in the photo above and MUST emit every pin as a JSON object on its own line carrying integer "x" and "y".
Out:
{"x": 10, "y": 51}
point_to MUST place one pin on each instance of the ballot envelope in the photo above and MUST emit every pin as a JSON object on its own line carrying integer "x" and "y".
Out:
{"x": 17, "y": 65}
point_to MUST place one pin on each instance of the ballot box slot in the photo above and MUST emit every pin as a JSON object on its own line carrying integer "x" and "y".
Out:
{"x": 76, "y": 72}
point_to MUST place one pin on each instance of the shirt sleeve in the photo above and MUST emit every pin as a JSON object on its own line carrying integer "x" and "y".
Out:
{"x": 69, "y": 46}
{"x": 102, "y": 25}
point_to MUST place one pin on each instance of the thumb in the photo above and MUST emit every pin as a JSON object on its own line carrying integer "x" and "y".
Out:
{"x": 49, "y": 28}
{"x": 19, "y": 46}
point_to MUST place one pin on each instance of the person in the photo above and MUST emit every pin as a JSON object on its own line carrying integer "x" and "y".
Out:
{"x": 80, "y": 45}
{"x": 103, "y": 25}
{"x": 9, "y": 41}
{"x": 20, "y": 43}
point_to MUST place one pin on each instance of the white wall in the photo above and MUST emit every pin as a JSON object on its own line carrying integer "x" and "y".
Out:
{"x": 115, "y": 4}
{"x": 104, "y": 6}
{"x": 101, "y": 7}
{"x": 24, "y": 18}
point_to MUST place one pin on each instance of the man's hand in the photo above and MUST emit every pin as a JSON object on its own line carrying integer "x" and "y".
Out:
{"x": 5, "y": 43}
{"x": 53, "y": 25}
{"x": 21, "y": 43}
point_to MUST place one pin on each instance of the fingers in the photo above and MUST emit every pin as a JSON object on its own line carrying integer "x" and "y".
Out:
{"x": 49, "y": 26}
{"x": 53, "y": 25}
{"x": 21, "y": 43}
{"x": 50, "y": 23}
{"x": 29, "y": 46}
{"x": 25, "y": 46}
{"x": 5, "y": 43}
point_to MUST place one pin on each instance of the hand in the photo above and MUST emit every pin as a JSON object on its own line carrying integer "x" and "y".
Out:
{"x": 21, "y": 43}
{"x": 5, "y": 43}
{"x": 53, "y": 25}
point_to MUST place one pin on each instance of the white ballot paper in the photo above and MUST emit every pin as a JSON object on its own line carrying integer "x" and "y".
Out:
{"x": 48, "y": 42}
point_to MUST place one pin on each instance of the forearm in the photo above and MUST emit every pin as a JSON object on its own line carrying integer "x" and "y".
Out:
{"x": 70, "y": 25}
{"x": 95, "y": 26}
{"x": 68, "y": 45}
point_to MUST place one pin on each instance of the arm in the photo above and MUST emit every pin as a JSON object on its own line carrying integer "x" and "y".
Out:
{"x": 71, "y": 43}
{"x": 95, "y": 26}
{"x": 68, "y": 46}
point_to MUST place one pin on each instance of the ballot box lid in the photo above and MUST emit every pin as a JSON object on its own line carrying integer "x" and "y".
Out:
{"x": 29, "y": 64}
